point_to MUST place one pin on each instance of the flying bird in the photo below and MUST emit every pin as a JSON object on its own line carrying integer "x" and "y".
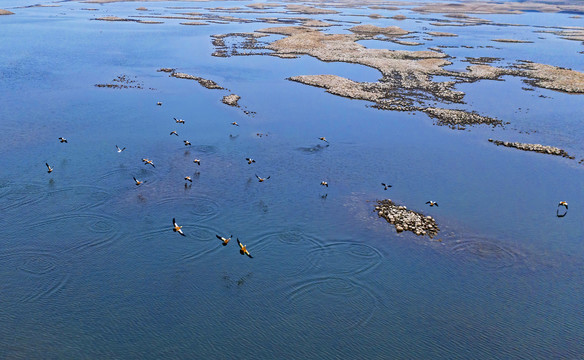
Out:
{"x": 159, "y": 103}
{"x": 261, "y": 179}
{"x": 197, "y": 161}
{"x": 177, "y": 228}
{"x": 120, "y": 150}
{"x": 564, "y": 204}
{"x": 324, "y": 183}
{"x": 173, "y": 133}
{"x": 224, "y": 240}
{"x": 243, "y": 249}
{"x": 250, "y": 160}
{"x": 187, "y": 143}
{"x": 62, "y": 140}
{"x": 148, "y": 162}
{"x": 179, "y": 121}
{"x": 188, "y": 178}
{"x": 323, "y": 139}
{"x": 385, "y": 186}
{"x": 432, "y": 203}
{"x": 138, "y": 182}
{"x": 49, "y": 167}
{"x": 234, "y": 123}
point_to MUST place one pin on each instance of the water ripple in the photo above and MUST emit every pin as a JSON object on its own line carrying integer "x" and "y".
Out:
{"x": 79, "y": 197}
{"x": 488, "y": 254}
{"x": 13, "y": 196}
{"x": 346, "y": 257}
{"x": 98, "y": 230}
{"x": 339, "y": 303}
{"x": 34, "y": 273}
{"x": 288, "y": 250}
{"x": 199, "y": 207}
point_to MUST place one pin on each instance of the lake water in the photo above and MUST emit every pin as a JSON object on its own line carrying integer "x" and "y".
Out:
{"x": 90, "y": 266}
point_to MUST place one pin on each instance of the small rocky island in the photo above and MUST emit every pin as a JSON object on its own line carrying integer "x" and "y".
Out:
{"x": 406, "y": 220}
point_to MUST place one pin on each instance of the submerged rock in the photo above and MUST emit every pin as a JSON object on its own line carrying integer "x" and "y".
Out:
{"x": 406, "y": 220}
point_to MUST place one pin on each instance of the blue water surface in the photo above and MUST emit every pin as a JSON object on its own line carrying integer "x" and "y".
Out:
{"x": 90, "y": 266}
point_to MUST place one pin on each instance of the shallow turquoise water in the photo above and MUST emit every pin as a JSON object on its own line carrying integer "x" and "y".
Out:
{"x": 89, "y": 266}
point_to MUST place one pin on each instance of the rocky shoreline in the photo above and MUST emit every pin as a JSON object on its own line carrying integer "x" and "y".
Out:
{"x": 406, "y": 220}
{"x": 209, "y": 84}
{"x": 551, "y": 150}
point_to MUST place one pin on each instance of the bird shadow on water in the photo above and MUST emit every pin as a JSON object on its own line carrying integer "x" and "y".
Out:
{"x": 312, "y": 149}
{"x": 230, "y": 282}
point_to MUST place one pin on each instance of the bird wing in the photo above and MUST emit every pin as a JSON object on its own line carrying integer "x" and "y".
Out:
{"x": 48, "y": 167}
{"x": 174, "y": 222}
{"x": 267, "y": 177}
{"x": 258, "y": 177}
{"x": 436, "y": 204}
{"x": 239, "y": 243}
{"x": 134, "y": 179}
{"x": 248, "y": 254}
{"x": 427, "y": 202}
{"x": 219, "y": 237}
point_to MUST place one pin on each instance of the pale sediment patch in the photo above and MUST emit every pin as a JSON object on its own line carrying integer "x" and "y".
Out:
{"x": 141, "y": 8}
{"x": 453, "y": 118}
{"x": 475, "y": 72}
{"x": 544, "y": 149}
{"x": 438, "y": 33}
{"x": 345, "y": 87}
{"x": 113, "y": 18}
{"x": 406, "y": 43}
{"x": 6, "y": 12}
{"x": 570, "y": 34}
{"x": 487, "y": 7}
{"x": 399, "y": 17}
{"x": 316, "y": 23}
{"x": 262, "y": 6}
{"x": 513, "y": 41}
{"x": 407, "y": 76}
{"x": 209, "y": 84}
{"x": 388, "y": 97}
{"x": 406, "y": 220}
{"x": 116, "y": 18}
{"x": 553, "y": 77}
{"x": 303, "y": 9}
{"x": 483, "y": 60}
{"x": 376, "y": 30}
{"x": 231, "y": 100}
{"x": 194, "y": 23}
{"x": 285, "y": 56}
{"x": 381, "y": 7}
